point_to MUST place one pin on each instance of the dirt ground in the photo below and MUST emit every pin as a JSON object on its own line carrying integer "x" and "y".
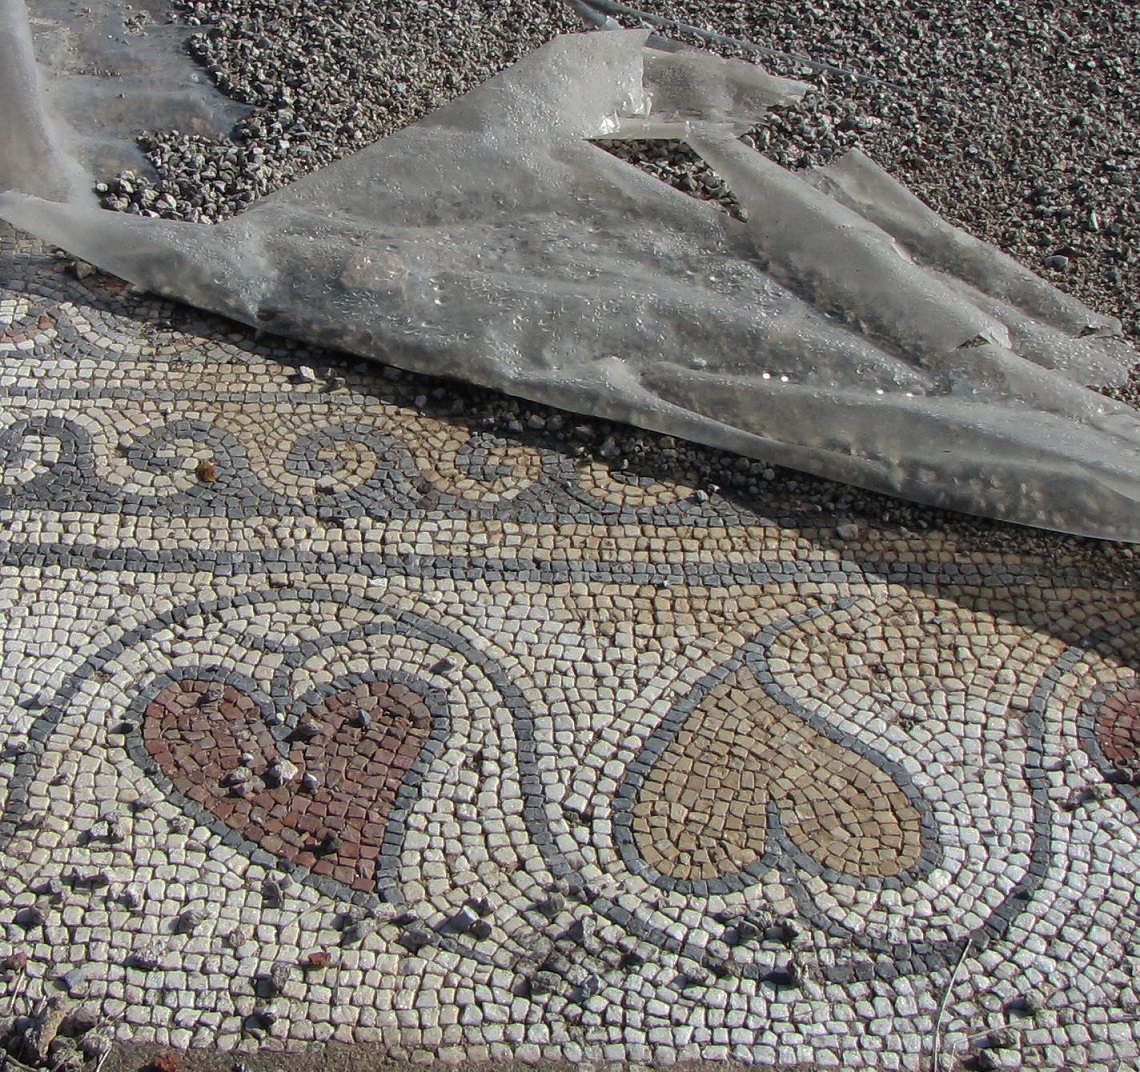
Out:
{"x": 362, "y": 1058}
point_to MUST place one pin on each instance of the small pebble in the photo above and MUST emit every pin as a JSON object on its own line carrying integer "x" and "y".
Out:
{"x": 190, "y": 920}
{"x": 72, "y": 980}
{"x": 307, "y": 728}
{"x": 280, "y": 772}
{"x": 356, "y": 932}
{"x": 14, "y": 962}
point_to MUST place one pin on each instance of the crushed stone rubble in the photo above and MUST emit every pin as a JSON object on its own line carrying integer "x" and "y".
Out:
{"x": 1016, "y": 121}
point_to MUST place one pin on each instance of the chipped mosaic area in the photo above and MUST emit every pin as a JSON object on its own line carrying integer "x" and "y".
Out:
{"x": 341, "y": 704}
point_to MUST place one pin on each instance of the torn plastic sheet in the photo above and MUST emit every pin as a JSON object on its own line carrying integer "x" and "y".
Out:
{"x": 844, "y": 329}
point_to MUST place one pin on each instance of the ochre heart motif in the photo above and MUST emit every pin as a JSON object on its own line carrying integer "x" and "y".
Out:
{"x": 197, "y": 732}
{"x": 702, "y": 810}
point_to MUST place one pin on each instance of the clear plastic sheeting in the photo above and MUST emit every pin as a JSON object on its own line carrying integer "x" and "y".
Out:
{"x": 843, "y": 329}
{"x": 81, "y": 80}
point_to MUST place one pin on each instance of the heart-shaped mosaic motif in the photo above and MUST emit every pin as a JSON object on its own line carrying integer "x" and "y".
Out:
{"x": 334, "y": 823}
{"x": 1118, "y": 728}
{"x": 702, "y": 809}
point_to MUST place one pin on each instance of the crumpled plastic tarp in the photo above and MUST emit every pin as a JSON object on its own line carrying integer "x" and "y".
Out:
{"x": 844, "y": 329}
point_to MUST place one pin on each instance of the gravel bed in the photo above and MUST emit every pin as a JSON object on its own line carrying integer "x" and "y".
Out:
{"x": 1018, "y": 120}
{"x": 324, "y": 78}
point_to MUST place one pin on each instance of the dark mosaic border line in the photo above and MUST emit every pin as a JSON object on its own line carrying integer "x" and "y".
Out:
{"x": 446, "y": 567}
{"x": 97, "y": 560}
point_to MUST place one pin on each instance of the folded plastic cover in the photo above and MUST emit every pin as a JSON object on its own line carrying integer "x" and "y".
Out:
{"x": 843, "y": 329}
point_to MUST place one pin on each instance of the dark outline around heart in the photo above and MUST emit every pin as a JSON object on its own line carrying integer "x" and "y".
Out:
{"x": 329, "y": 870}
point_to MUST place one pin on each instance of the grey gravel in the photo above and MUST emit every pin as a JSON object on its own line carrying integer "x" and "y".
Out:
{"x": 1017, "y": 120}
{"x": 73, "y": 979}
{"x": 307, "y": 729}
{"x": 323, "y": 79}
{"x": 148, "y": 956}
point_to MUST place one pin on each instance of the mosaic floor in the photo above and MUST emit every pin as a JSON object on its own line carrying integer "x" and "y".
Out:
{"x": 341, "y": 704}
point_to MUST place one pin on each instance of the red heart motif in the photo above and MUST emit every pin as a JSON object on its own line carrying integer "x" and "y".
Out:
{"x": 198, "y": 731}
{"x": 1118, "y": 728}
